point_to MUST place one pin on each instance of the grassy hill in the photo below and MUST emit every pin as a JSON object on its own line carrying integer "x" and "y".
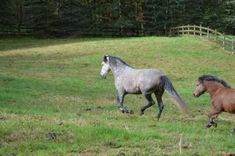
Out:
{"x": 53, "y": 101}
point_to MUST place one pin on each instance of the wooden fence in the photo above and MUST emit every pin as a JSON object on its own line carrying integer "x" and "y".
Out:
{"x": 227, "y": 42}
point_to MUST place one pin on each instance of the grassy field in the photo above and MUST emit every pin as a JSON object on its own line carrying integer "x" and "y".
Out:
{"x": 53, "y": 101}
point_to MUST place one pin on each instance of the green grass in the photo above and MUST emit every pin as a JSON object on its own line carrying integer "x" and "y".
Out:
{"x": 53, "y": 101}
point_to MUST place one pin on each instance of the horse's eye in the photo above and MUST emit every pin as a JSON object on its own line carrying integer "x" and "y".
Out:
{"x": 197, "y": 85}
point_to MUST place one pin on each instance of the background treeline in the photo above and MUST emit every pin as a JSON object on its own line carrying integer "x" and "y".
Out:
{"x": 112, "y": 17}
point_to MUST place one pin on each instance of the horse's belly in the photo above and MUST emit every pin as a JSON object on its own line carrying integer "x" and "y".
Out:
{"x": 129, "y": 83}
{"x": 230, "y": 108}
{"x": 134, "y": 90}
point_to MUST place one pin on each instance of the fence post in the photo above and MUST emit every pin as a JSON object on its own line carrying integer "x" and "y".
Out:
{"x": 200, "y": 29}
{"x": 188, "y": 29}
{"x": 215, "y": 35}
{"x": 233, "y": 45}
{"x": 194, "y": 30}
{"x": 207, "y": 33}
{"x": 224, "y": 40}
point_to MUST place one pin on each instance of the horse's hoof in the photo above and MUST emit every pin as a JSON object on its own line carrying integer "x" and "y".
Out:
{"x": 131, "y": 112}
{"x": 127, "y": 111}
{"x": 208, "y": 125}
{"x": 215, "y": 125}
{"x": 158, "y": 118}
{"x": 141, "y": 113}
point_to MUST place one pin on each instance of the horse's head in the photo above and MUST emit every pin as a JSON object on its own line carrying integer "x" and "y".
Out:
{"x": 200, "y": 89}
{"x": 206, "y": 82}
{"x": 105, "y": 67}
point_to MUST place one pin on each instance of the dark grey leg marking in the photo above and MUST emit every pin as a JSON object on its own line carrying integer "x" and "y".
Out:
{"x": 150, "y": 103}
{"x": 120, "y": 100}
{"x": 160, "y": 103}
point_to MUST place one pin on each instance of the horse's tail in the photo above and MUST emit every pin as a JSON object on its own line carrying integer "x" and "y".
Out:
{"x": 169, "y": 88}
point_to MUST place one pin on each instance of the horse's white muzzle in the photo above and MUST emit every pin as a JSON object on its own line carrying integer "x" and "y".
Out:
{"x": 105, "y": 69}
{"x": 103, "y": 76}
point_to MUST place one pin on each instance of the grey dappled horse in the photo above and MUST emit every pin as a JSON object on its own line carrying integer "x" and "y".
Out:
{"x": 129, "y": 80}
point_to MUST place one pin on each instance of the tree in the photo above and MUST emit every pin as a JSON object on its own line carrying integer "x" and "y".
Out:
{"x": 73, "y": 17}
{"x": 11, "y": 18}
{"x": 113, "y": 17}
{"x": 39, "y": 15}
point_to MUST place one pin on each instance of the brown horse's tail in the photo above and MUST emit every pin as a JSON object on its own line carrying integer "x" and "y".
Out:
{"x": 169, "y": 88}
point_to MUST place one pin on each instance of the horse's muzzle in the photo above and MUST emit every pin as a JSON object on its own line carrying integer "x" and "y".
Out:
{"x": 195, "y": 95}
{"x": 103, "y": 76}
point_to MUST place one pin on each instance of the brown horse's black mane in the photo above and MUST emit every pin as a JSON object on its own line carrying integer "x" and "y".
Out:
{"x": 213, "y": 78}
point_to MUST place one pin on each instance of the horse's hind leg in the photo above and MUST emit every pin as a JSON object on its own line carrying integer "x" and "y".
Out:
{"x": 160, "y": 103}
{"x": 150, "y": 103}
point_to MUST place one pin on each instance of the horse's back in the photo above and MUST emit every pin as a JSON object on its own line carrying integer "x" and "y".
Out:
{"x": 149, "y": 74}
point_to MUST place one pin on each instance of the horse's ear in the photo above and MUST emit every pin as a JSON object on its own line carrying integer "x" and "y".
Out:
{"x": 106, "y": 58}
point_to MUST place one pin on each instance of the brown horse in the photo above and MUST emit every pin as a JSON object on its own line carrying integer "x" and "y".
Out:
{"x": 222, "y": 95}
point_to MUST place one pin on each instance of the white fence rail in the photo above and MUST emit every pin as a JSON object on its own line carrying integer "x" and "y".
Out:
{"x": 227, "y": 42}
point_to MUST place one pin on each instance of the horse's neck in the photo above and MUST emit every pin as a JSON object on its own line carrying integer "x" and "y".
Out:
{"x": 119, "y": 70}
{"x": 213, "y": 88}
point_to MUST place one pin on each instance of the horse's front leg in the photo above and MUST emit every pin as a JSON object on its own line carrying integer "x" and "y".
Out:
{"x": 213, "y": 115}
{"x": 120, "y": 100}
{"x": 211, "y": 122}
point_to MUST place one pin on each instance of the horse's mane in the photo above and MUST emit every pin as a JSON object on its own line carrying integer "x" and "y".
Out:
{"x": 118, "y": 59}
{"x": 213, "y": 78}
{"x": 114, "y": 60}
